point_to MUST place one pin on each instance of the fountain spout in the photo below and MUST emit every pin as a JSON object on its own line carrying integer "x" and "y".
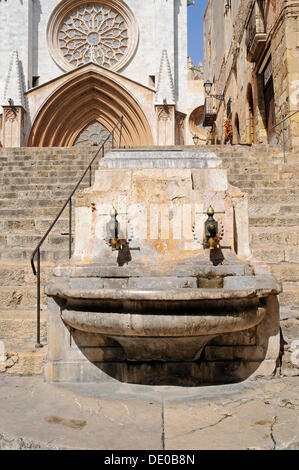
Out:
{"x": 114, "y": 241}
{"x": 212, "y": 236}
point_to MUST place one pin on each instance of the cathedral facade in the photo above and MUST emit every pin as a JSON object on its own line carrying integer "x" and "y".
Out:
{"x": 71, "y": 69}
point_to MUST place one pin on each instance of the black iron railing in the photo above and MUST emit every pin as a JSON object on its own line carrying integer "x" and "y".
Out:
{"x": 118, "y": 129}
{"x": 210, "y": 111}
{"x": 282, "y": 122}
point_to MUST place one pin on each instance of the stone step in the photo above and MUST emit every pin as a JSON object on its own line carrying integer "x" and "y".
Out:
{"x": 277, "y": 254}
{"x": 270, "y": 255}
{"x": 285, "y": 272}
{"x": 28, "y": 240}
{"x": 53, "y": 195}
{"x": 258, "y": 220}
{"x": 37, "y": 168}
{"x": 22, "y": 358}
{"x": 16, "y": 324}
{"x": 290, "y": 295}
{"x": 35, "y": 152}
{"x": 61, "y": 174}
{"x": 278, "y": 236}
{"x": 286, "y": 199}
{"x": 243, "y": 178}
{"x": 254, "y": 188}
{"x": 22, "y": 274}
{"x": 49, "y": 255}
{"x": 38, "y": 180}
{"x": 275, "y": 173}
{"x": 46, "y": 164}
{"x": 23, "y": 296}
{"x": 9, "y": 213}
{"x": 65, "y": 188}
{"x": 245, "y": 162}
{"x": 33, "y": 203}
{"x": 36, "y": 225}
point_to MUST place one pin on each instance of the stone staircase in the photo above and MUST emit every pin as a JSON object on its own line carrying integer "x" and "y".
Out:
{"x": 34, "y": 185}
{"x": 273, "y": 190}
{"x": 36, "y": 182}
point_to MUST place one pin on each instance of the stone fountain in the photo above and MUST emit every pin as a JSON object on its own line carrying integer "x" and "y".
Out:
{"x": 162, "y": 288}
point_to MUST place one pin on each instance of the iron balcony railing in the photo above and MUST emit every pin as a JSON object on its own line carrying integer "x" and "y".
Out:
{"x": 282, "y": 123}
{"x": 255, "y": 32}
{"x": 118, "y": 128}
{"x": 210, "y": 111}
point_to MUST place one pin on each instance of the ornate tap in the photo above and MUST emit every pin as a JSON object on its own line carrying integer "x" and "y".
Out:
{"x": 113, "y": 231}
{"x": 212, "y": 235}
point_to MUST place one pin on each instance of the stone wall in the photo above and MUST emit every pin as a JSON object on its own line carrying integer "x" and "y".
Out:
{"x": 237, "y": 74}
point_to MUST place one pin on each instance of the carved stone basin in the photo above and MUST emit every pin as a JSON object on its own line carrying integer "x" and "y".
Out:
{"x": 160, "y": 324}
{"x": 142, "y": 311}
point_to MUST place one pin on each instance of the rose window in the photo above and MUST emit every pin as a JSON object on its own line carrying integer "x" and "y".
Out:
{"x": 94, "y": 134}
{"x": 94, "y": 33}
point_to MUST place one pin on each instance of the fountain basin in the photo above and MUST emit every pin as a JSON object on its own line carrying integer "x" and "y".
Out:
{"x": 162, "y": 309}
{"x": 159, "y": 324}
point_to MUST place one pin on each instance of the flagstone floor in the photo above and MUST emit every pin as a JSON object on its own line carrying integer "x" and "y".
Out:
{"x": 249, "y": 415}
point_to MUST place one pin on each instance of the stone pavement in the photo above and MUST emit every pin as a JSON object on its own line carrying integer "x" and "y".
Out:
{"x": 113, "y": 416}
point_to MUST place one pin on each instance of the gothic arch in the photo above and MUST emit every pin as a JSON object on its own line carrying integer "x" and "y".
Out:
{"x": 195, "y": 121}
{"x": 84, "y": 98}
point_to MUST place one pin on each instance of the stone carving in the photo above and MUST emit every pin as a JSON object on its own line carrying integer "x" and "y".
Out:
{"x": 101, "y": 31}
{"x": 164, "y": 113}
{"x": 94, "y": 32}
{"x": 165, "y": 88}
{"x": 180, "y": 128}
{"x": 93, "y": 134}
{"x": 180, "y": 120}
{"x": 10, "y": 114}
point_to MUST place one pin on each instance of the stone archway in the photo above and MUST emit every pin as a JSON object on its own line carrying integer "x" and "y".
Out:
{"x": 88, "y": 97}
{"x": 195, "y": 120}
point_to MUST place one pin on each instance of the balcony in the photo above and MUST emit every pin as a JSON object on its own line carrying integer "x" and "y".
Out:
{"x": 210, "y": 111}
{"x": 255, "y": 34}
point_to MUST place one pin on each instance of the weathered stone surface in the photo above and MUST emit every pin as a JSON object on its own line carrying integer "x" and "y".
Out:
{"x": 152, "y": 158}
{"x": 118, "y": 416}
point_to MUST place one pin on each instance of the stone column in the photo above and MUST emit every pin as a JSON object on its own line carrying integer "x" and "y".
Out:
{"x": 165, "y": 124}
{"x": 13, "y": 126}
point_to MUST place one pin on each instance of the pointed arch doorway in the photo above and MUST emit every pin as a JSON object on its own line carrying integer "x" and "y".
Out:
{"x": 91, "y": 97}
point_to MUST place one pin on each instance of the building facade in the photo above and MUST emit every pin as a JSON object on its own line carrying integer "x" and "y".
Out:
{"x": 70, "y": 69}
{"x": 251, "y": 50}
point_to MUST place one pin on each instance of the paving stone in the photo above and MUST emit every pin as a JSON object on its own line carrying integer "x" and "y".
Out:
{"x": 114, "y": 416}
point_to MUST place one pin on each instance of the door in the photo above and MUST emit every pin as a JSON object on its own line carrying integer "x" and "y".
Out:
{"x": 269, "y": 104}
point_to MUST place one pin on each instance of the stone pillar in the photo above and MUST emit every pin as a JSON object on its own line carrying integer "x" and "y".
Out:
{"x": 165, "y": 124}
{"x": 13, "y": 126}
{"x": 180, "y": 132}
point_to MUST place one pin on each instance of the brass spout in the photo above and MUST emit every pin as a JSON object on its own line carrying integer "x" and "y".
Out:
{"x": 213, "y": 243}
{"x": 117, "y": 243}
{"x": 211, "y": 239}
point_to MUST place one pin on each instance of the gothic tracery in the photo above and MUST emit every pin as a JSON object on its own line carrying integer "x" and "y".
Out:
{"x": 94, "y": 33}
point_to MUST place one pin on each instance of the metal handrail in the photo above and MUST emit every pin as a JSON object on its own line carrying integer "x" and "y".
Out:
{"x": 283, "y": 132}
{"x": 36, "y": 252}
